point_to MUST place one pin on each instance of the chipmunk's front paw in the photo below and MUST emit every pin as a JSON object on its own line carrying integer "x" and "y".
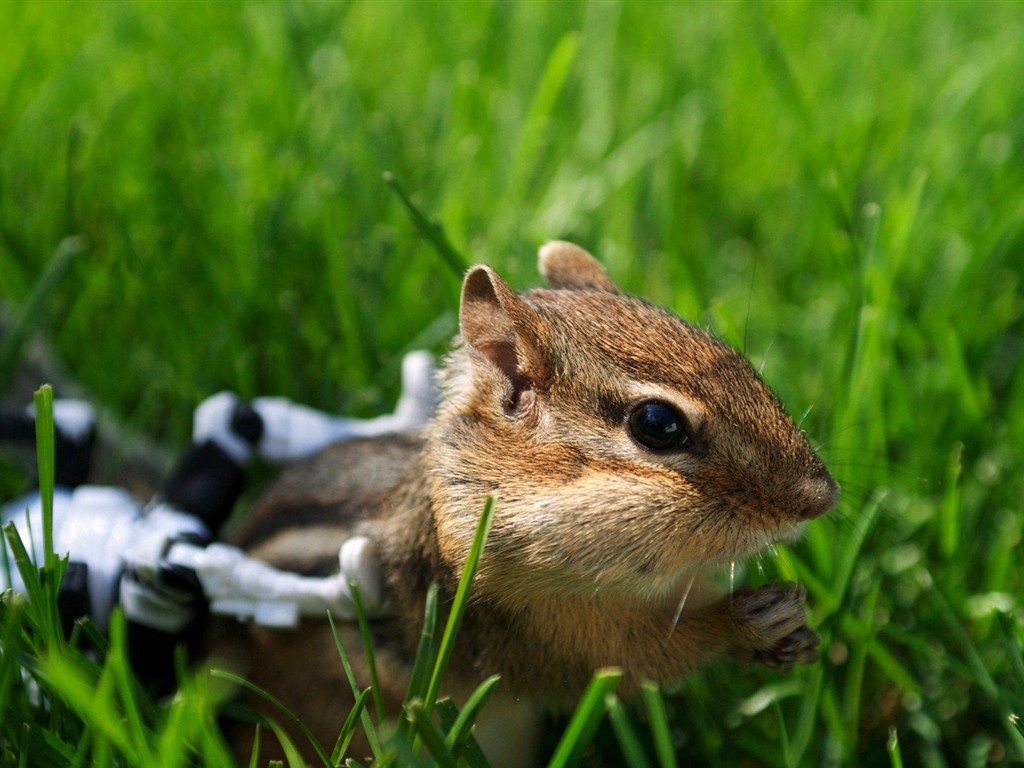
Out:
{"x": 771, "y": 626}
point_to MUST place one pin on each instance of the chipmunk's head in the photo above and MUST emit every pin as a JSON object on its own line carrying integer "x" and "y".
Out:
{"x": 625, "y": 447}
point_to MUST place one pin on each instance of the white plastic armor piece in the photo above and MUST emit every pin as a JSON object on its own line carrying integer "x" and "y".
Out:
{"x": 292, "y": 431}
{"x": 129, "y": 551}
{"x": 240, "y": 586}
{"x": 96, "y": 523}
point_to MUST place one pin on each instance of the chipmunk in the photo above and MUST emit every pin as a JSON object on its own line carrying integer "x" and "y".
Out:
{"x": 628, "y": 452}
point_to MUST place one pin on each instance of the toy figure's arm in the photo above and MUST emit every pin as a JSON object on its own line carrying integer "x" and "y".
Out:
{"x": 292, "y": 431}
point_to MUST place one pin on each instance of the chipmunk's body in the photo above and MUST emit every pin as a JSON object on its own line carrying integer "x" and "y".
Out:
{"x": 627, "y": 451}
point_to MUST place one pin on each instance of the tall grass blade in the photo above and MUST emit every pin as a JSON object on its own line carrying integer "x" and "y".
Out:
{"x": 856, "y": 669}
{"x": 787, "y": 754}
{"x": 461, "y": 729}
{"x": 981, "y": 675}
{"x": 83, "y": 630}
{"x": 92, "y": 701}
{"x": 1014, "y": 652}
{"x": 11, "y": 613}
{"x": 279, "y": 706}
{"x": 431, "y": 230}
{"x": 127, "y": 688}
{"x": 459, "y": 605}
{"x": 254, "y": 755}
{"x": 47, "y": 466}
{"x": 810, "y": 708}
{"x": 368, "y": 727}
{"x": 892, "y": 747}
{"x": 348, "y": 728}
{"x": 41, "y": 611}
{"x": 430, "y": 734}
{"x": 527, "y": 153}
{"x": 843, "y": 578}
{"x": 426, "y": 657}
{"x": 371, "y": 662}
{"x": 585, "y": 719}
{"x": 426, "y": 652}
{"x": 625, "y": 733}
{"x": 291, "y": 752}
{"x": 655, "y": 706}
{"x": 14, "y": 341}
{"x": 466, "y": 750}
{"x": 950, "y": 512}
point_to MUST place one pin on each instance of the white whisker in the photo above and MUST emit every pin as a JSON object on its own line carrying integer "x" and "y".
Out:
{"x": 682, "y": 602}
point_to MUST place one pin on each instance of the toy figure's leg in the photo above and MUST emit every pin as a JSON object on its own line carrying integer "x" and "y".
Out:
{"x": 163, "y": 600}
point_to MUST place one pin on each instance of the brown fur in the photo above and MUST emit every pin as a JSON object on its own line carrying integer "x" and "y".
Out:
{"x": 595, "y": 538}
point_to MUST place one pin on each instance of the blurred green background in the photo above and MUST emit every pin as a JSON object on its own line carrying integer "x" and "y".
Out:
{"x": 836, "y": 188}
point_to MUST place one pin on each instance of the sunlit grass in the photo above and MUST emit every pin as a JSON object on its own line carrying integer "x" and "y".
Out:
{"x": 834, "y": 188}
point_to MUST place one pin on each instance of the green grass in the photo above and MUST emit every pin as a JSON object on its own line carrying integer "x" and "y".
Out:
{"x": 834, "y": 188}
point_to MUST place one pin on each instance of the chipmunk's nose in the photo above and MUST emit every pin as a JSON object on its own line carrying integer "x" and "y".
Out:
{"x": 819, "y": 493}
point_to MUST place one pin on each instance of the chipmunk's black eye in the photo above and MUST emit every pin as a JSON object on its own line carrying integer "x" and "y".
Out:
{"x": 658, "y": 426}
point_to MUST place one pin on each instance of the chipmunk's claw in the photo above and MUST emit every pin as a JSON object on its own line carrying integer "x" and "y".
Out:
{"x": 798, "y": 647}
{"x": 771, "y": 626}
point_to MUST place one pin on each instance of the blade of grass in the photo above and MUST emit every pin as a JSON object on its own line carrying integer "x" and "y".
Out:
{"x": 371, "y": 663}
{"x": 47, "y": 465}
{"x": 14, "y": 341}
{"x": 892, "y": 747}
{"x": 204, "y": 735}
{"x": 431, "y": 230}
{"x": 459, "y": 605}
{"x": 787, "y": 756}
{"x": 126, "y": 686}
{"x": 348, "y": 728}
{"x": 821, "y": 150}
{"x": 625, "y": 733}
{"x": 585, "y": 719}
{"x": 23, "y": 747}
{"x": 368, "y": 727}
{"x": 278, "y": 705}
{"x": 949, "y": 511}
{"x": 40, "y": 612}
{"x": 6, "y": 567}
{"x": 254, "y": 756}
{"x": 659, "y": 725}
{"x": 843, "y": 579}
{"x": 467, "y": 750}
{"x": 85, "y": 629}
{"x": 426, "y": 653}
{"x": 810, "y": 707}
{"x": 461, "y": 729}
{"x": 1014, "y": 653}
{"x": 855, "y": 670}
{"x": 92, "y": 700}
{"x": 9, "y": 641}
{"x": 527, "y": 153}
{"x": 426, "y": 656}
{"x": 430, "y": 734}
{"x": 291, "y": 752}
{"x": 979, "y": 672}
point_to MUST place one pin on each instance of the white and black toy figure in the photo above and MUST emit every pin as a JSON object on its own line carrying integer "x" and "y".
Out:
{"x": 161, "y": 561}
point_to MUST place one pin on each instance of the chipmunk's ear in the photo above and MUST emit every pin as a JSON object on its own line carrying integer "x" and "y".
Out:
{"x": 495, "y": 322}
{"x": 565, "y": 265}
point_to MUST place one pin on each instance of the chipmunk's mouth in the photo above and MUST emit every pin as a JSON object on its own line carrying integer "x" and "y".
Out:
{"x": 786, "y": 532}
